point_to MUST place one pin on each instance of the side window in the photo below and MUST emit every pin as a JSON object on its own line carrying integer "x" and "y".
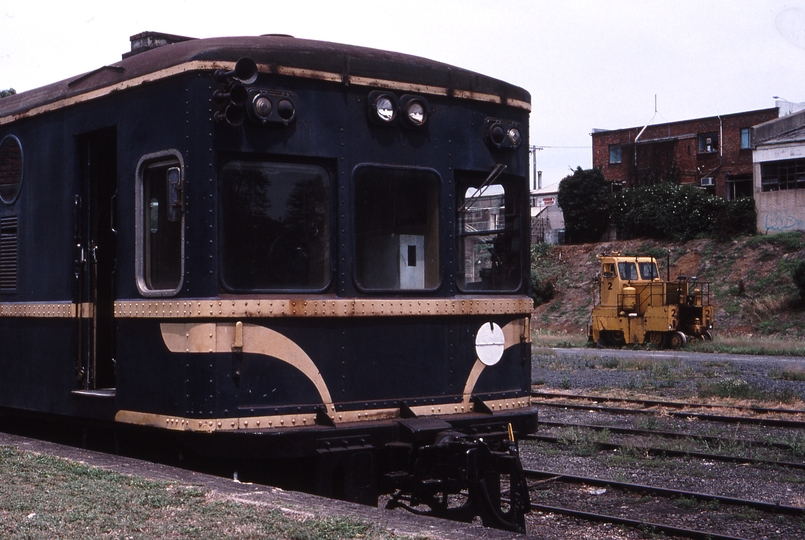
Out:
{"x": 275, "y": 226}
{"x": 489, "y": 240}
{"x": 160, "y": 224}
{"x": 10, "y": 168}
{"x": 396, "y": 228}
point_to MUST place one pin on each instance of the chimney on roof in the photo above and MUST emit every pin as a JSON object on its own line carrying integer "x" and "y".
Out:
{"x": 145, "y": 41}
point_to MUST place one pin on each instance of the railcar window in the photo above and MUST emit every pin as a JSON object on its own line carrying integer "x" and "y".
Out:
{"x": 396, "y": 228}
{"x": 490, "y": 222}
{"x": 275, "y": 226}
{"x": 627, "y": 270}
{"x": 10, "y": 168}
{"x": 162, "y": 238}
{"x": 648, "y": 271}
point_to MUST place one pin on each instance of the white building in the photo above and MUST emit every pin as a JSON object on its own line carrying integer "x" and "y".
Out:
{"x": 779, "y": 173}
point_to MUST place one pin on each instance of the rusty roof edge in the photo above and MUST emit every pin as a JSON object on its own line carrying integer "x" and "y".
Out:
{"x": 347, "y": 60}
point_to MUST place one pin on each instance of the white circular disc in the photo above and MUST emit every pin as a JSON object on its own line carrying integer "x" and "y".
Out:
{"x": 490, "y": 343}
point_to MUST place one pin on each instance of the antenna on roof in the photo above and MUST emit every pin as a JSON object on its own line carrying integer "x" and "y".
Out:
{"x": 652, "y": 119}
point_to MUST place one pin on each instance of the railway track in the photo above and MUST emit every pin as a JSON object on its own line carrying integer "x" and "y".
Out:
{"x": 701, "y": 470}
{"x": 621, "y": 491}
{"x": 669, "y": 452}
{"x": 591, "y": 403}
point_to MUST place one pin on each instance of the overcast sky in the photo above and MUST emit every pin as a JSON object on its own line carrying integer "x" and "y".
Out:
{"x": 587, "y": 64}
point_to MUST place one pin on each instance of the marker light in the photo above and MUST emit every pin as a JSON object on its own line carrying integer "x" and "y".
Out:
{"x": 286, "y": 110}
{"x": 503, "y": 134}
{"x": 262, "y": 106}
{"x": 514, "y": 137}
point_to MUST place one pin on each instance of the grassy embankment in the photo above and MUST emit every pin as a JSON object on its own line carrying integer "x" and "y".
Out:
{"x": 758, "y": 308}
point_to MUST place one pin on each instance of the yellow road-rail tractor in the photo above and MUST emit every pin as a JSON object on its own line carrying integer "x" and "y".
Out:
{"x": 635, "y": 306}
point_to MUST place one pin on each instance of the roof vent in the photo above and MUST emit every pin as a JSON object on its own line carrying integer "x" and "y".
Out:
{"x": 146, "y": 41}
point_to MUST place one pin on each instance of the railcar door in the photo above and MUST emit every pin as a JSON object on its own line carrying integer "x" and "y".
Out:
{"x": 95, "y": 258}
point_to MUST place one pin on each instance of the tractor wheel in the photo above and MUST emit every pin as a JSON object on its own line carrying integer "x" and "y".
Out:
{"x": 678, "y": 340}
{"x": 657, "y": 339}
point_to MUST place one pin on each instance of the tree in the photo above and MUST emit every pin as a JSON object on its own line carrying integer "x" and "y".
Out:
{"x": 798, "y": 275}
{"x": 6, "y": 93}
{"x": 584, "y": 200}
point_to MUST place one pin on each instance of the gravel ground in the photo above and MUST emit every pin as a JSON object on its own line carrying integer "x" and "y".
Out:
{"x": 760, "y": 381}
{"x": 664, "y": 373}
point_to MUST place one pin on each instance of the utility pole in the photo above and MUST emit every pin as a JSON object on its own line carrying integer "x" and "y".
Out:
{"x": 533, "y": 151}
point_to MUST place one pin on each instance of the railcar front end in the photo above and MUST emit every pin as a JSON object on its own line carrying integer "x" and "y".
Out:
{"x": 279, "y": 247}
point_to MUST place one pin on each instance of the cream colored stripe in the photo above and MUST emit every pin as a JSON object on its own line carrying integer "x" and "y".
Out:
{"x": 46, "y": 310}
{"x": 220, "y": 337}
{"x": 185, "y": 309}
{"x": 469, "y": 386}
{"x": 204, "y": 65}
{"x": 259, "y": 423}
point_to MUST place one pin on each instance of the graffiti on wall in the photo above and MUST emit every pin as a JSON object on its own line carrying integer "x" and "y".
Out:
{"x": 783, "y": 221}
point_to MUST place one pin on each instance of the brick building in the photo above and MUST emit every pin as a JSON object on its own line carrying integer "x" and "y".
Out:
{"x": 714, "y": 153}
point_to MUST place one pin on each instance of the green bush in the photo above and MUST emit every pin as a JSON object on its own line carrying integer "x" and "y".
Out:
{"x": 542, "y": 291}
{"x": 584, "y": 199}
{"x": 668, "y": 211}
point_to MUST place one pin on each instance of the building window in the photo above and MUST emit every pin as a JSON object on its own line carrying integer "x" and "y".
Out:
{"x": 615, "y": 153}
{"x": 782, "y": 175}
{"x": 708, "y": 142}
{"x": 746, "y": 138}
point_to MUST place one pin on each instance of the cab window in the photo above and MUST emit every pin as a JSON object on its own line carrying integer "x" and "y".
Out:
{"x": 627, "y": 270}
{"x": 489, "y": 234}
{"x": 275, "y": 226}
{"x": 648, "y": 271}
{"x": 396, "y": 228}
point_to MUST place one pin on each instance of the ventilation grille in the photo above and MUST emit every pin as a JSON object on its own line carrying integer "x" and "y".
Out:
{"x": 8, "y": 253}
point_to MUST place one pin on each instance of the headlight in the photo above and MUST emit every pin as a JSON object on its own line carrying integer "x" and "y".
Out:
{"x": 415, "y": 111}
{"x": 382, "y": 107}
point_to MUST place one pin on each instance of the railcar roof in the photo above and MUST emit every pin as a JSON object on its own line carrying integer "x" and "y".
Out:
{"x": 349, "y": 63}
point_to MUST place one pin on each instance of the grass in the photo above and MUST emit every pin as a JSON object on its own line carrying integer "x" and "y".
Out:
{"x": 543, "y": 342}
{"x": 47, "y": 497}
{"x": 751, "y": 345}
{"x": 583, "y": 442}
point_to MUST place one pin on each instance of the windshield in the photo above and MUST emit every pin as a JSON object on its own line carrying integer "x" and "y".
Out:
{"x": 275, "y": 226}
{"x": 648, "y": 270}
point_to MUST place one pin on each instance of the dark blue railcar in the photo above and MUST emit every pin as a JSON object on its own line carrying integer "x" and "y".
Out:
{"x": 277, "y": 247}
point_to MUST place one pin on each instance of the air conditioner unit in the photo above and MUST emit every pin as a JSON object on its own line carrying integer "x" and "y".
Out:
{"x": 708, "y": 181}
